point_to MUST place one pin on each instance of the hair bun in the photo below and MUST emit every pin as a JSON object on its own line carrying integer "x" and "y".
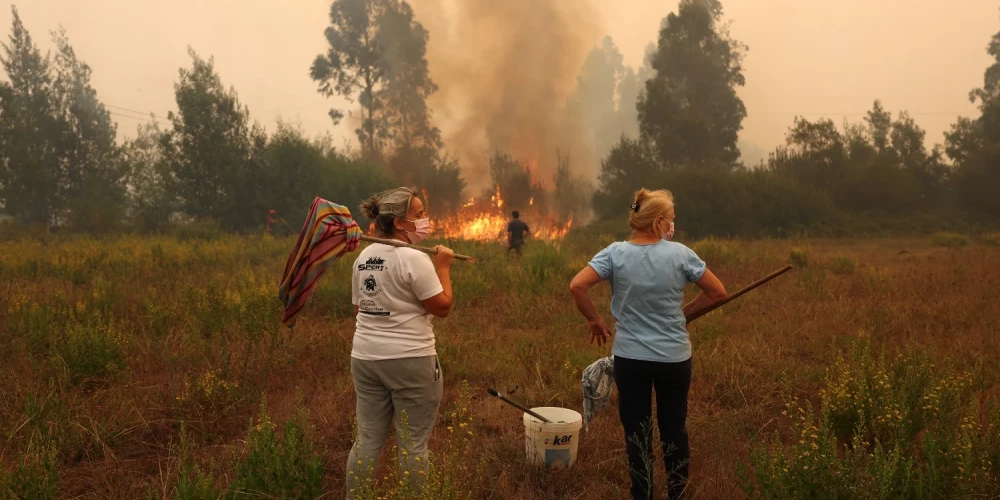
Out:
{"x": 640, "y": 196}
{"x": 370, "y": 207}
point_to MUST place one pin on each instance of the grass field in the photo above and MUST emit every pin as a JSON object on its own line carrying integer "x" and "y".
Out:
{"x": 156, "y": 367}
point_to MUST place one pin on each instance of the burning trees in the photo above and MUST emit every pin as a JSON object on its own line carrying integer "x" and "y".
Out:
{"x": 549, "y": 213}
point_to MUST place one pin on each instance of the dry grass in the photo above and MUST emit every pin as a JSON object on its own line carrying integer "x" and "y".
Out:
{"x": 108, "y": 346}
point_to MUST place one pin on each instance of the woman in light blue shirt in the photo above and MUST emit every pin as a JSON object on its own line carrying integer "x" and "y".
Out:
{"x": 648, "y": 275}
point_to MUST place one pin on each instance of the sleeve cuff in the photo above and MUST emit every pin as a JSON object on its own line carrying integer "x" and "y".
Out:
{"x": 699, "y": 273}
{"x": 432, "y": 293}
{"x": 603, "y": 276}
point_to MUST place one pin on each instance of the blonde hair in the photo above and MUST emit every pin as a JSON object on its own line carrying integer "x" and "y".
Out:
{"x": 649, "y": 206}
{"x": 384, "y": 207}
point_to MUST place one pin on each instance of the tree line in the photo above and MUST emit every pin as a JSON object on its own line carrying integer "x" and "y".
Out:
{"x": 825, "y": 178}
{"x": 61, "y": 163}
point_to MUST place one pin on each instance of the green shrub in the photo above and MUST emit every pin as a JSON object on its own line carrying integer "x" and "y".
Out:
{"x": 544, "y": 262}
{"x": 210, "y": 397}
{"x": 885, "y": 428}
{"x": 34, "y": 321}
{"x": 599, "y": 233}
{"x": 34, "y": 477}
{"x": 332, "y": 295}
{"x": 47, "y": 417}
{"x": 192, "y": 483}
{"x": 743, "y": 202}
{"x": 271, "y": 465}
{"x": 992, "y": 239}
{"x": 453, "y": 474}
{"x": 13, "y": 230}
{"x": 278, "y": 466}
{"x": 92, "y": 353}
{"x": 715, "y": 251}
{"x": 944, "y": 239}
{"x": 799, "y": 256}
{"x": 97, "y": 209}
{"x": 197, "y": 230}
{"x": 842, "y": 265}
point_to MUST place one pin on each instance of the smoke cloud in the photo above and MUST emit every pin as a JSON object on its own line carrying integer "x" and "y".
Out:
{"x": 505, "y": 70}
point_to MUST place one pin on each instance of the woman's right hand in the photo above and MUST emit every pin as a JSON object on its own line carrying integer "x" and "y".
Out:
{"x": 599, "y": 332}
{"x": 712, "y": 292}
{"x": 443, "y": 257}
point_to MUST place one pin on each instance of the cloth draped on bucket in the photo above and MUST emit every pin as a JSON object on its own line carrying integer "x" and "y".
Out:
{"x": 328, "y": 233}
{"x": 598, "y": 379}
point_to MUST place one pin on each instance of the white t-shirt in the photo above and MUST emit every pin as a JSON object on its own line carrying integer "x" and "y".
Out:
{"x": 389, "y": 284}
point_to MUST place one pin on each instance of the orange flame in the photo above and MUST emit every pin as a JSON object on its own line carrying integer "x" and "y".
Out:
{"x": 486, "y": 221}
{"x": 497, "y": 199}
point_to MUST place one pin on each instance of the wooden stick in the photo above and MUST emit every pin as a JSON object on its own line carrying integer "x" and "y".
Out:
{"x": 517, "y": 405}
{"x": 397, "y": 243}
{"x": 746, "y": 289}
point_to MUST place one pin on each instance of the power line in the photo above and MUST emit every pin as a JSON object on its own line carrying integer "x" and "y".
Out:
{"x": 860, "y": 113}
{"x": 870, "y": 97}
{"x": 145, "y": 120}
{"x": 146, "y": 114}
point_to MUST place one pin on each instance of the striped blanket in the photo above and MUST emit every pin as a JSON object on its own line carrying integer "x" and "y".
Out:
{"x": 329, "y": 232}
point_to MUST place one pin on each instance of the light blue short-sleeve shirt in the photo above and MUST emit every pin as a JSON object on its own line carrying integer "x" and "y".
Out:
{"x": 647, "y": 295}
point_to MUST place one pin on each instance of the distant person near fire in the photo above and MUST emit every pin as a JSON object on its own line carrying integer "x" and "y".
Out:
{"x": 272, "y": 219}
{"x": 516, "y": 231}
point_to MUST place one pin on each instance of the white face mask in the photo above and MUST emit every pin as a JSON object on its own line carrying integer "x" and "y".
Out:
{"x": 669, "y": 234}
{"x": 423, "y": 230}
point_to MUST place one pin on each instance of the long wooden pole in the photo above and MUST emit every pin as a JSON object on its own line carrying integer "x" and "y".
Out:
{"x": 397, "y": 243}
{"x": 736, "y": 295}
{"x": 517, "y": 405}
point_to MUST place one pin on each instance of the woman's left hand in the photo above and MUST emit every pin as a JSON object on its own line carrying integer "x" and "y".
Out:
{"x": 599, "y": 332}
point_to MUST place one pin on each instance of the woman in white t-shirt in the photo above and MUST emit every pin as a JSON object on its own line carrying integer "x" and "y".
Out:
{"x": 394, "y": 364}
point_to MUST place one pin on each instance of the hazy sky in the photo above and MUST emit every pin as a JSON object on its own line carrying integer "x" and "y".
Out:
{"x": 808, "y": 57}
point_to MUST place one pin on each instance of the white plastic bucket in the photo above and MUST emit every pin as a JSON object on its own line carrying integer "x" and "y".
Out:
{"x": 552, "y": 445}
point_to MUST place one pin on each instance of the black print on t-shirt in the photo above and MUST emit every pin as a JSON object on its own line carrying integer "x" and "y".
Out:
{"x": 374, "y": 263}
{"x": 369, "y": 307}
{"x": 369, "y": 286}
